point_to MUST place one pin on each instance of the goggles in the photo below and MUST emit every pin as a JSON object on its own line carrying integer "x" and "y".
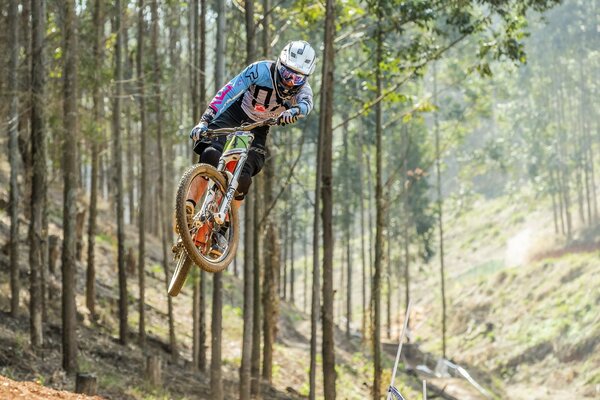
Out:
{"x": 291, "y": 77}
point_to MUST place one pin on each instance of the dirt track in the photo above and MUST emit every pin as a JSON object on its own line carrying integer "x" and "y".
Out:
{"x": 10, "y": 389}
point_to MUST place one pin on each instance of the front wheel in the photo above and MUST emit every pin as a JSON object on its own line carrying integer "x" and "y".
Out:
{"x": 209, "y": 245}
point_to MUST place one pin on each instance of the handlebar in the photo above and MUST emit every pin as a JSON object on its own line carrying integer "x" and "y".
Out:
{"x": 243, "y": 128}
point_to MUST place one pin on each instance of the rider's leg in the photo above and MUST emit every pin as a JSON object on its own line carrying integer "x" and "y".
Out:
{"x": 254, "y": 164}
{"x": 211, "y": 156}
{"x": 237, "y": 203}
{"x": 197, "y": 188}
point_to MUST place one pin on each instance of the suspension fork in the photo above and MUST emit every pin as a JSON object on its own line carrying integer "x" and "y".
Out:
{"x": 231, "y": 188}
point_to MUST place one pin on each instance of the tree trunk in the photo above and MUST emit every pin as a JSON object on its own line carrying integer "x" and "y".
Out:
{"x": 253, "y": 210}
{"x": 90, "y": 277}
{"x": 406, "y": 230}
{"x": 554, "y": 206}
{"x": 564, "y": 174}
{"x": 305, "y": 252}
{"x": 339, "y": 290}
{"x": 195, "y": 30}
{"x": 376, "y": 291}
{"x": 348, "y": 226}
{"x": 37, "y": 235}
{"x": 70, "y": 174}
{"x": 285, "y": 236}
{"x": 118, "y": 175}
{"x": 587, "y": 143}
{"x": 256, "y": 331}
{"x": 248, "y": 295}
{"x": 131, "y": 264}
{"x": 195, "y": 276}
{"x": 325, "y": 130}
{"x": 131, "y": 162}
{"x": 202, "y": 322}
{"x": 53, "y": 253}
{"x": 163, "y": 224}
{"x": 25, "y": 114}
{"x": 292, "y": 239}
{"x": 359, "y": 158}
{"x": 143, "y": 190}
{"x": 216, "y": 382}
{"x": 249, "y": 239}
{"x": 555, "y": 174}
{"x": 270, "y": 300}
{"x": 79, "y": 226}
{"x": 369, "y": 207}
{"x": 128, "y": 89}
{"x": 270, "y": 295}
{"x": 438, "y": 162}
{"x": 203, "y": 274}
{"x": 316, "y": 284}
{"x": 13, "y": 156}
{"x": 388, "y": 283}
{"x": 193, "y": 50}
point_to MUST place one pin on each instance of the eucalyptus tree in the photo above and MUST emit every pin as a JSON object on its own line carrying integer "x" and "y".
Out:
{"x": 249, "y": 233}
{"x": 13, "y": 155}
{"x": 97, "y": 133}
{"x": 70, "y": 175}
{"x": 118, "y": 173}
{"x": 216, "y": 380}
{"x": 326, "y": 132}
{"x": 142, "y": 212}
{"x": 39, "y": 186}
{"x": 162, "y": 187}
{"x": 202, "y": 88}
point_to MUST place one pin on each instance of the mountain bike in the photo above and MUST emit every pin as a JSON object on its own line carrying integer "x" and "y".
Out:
{"x": 214, "y": 218}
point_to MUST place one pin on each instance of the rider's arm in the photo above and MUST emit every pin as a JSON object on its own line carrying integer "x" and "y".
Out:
{"x": 232, "y": 91}
{"x": 304, "y": 100}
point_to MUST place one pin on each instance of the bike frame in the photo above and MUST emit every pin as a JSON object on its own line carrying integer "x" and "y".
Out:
{"x": 237, "y": 155}
{"x": 231, "y": 163}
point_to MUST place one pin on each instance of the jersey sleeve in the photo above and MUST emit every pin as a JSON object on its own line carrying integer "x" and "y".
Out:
{"x": 304, "y": 99}
{"x": 233, "y": 90}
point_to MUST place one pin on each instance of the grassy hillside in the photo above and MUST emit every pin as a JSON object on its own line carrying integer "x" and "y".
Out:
{"x": 522, "y": 302}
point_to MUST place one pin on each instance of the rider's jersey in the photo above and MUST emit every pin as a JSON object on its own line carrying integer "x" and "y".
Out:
{"x": 260, "y": 100}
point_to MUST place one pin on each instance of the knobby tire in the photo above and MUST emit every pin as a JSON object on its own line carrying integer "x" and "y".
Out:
{"x": 182, "y": 269}
{"x": 210, "y": 172}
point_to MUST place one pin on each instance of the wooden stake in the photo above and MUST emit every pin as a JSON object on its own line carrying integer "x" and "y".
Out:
{"x": 86, "y": 384}
{"x": 153, "y": 370}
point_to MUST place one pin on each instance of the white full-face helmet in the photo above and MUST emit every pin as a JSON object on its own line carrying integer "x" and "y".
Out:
{"x": 295, "y": 63}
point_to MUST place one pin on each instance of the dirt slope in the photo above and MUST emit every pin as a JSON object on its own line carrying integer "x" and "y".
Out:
{"x": 10, "y": 390}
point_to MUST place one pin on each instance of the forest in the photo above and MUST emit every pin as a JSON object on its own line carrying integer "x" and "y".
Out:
{"x": 447, "y": 168}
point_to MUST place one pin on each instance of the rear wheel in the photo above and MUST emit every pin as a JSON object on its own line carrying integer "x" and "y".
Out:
{"x": 209, "y": 245}
{"x": 182, "y": 269}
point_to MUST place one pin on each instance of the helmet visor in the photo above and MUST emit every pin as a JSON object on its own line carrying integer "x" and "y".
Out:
{"x": 291, "y": 77}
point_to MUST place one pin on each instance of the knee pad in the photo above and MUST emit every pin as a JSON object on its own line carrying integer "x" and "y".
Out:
{"x": 243, "y": 185}
{"x": 211, "y": 156}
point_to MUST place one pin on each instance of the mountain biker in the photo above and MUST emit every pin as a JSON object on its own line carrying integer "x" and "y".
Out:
{"x": 265, "y": 89}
